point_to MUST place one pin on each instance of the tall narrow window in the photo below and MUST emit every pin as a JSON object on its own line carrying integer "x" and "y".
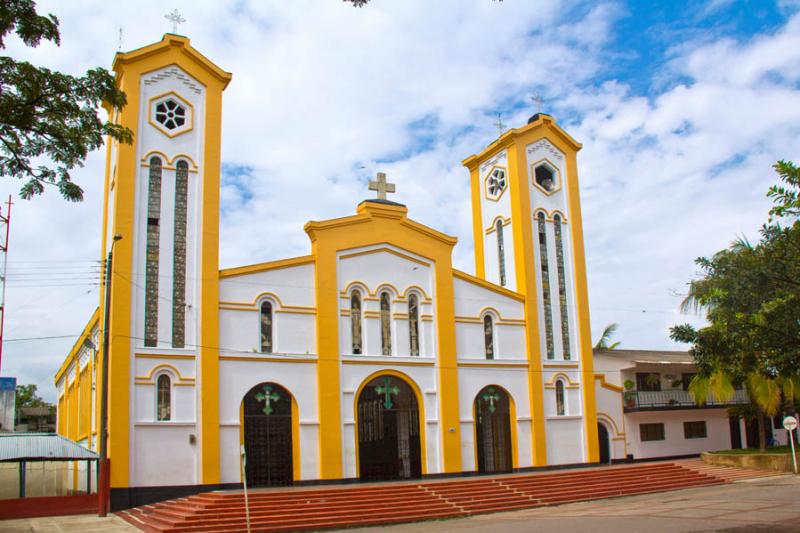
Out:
{"x": 386, "y": 324}
{"x": 152, "y": 254}
{"x": 488, "y": 336}
{"x": 179, "y": 256}
{"x": 548, "y": 314}
{"x": 266, "y": 327}
{"x": 355, "y": 321}
{"x": 560, "y": 408}
{"x": 164, "y": 398}
{"x": 501, "y": 253}
{"x": 413, "y": 323}
{"x": 562, "y": 288}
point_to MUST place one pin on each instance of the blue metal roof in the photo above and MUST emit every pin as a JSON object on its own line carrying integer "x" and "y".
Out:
{"x": 41, "y": 447}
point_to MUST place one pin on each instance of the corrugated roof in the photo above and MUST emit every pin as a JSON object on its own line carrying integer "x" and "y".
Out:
{"x": 41, "y": 447}
{"x": 649, "y": 356}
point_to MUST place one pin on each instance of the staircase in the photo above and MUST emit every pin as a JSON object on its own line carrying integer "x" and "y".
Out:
{"x": 376, "y": 504}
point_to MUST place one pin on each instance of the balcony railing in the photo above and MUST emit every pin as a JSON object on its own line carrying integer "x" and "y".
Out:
{"x": 675, "y": 399}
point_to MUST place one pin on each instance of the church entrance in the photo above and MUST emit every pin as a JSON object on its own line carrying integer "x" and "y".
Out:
{"x": 388, "y": 430}
{"x": 605, "y": 443}
{"x": 268, "y": 436}
{"x": 493, "y": 430}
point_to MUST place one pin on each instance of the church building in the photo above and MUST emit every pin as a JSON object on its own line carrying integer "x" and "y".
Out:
{"x": 370, "y": 358}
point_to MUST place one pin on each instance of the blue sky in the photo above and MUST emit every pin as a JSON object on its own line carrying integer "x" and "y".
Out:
{"x": 681, "y": 107}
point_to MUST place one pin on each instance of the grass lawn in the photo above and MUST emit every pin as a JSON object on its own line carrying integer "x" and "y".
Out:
{"x": 750, "y": 451}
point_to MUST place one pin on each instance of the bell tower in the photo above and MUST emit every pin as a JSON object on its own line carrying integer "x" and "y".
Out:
{"x": 162, "y": 199}
{"x": 529, "y": 238}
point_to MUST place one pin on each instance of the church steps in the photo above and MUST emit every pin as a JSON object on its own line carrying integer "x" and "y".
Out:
{"x": 316, "y": 509}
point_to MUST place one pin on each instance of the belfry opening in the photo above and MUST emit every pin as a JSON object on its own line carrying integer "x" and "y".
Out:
{"x": 388, "y": 430}
{"x": 267, "y": 411}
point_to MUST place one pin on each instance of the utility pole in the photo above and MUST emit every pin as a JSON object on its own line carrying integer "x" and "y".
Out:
{"x": 4, "y": 221}
{"x": 104, "y": 467}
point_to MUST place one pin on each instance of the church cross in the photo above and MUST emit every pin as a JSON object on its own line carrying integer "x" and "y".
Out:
{"x": 268, "y": 398}
{"x": 381, "y": 185}
{"x": 500, "y": 126}
{"x": 491, "y": 396}
{"x": 176, "y": 18}
{"x": 388, "y": 390}
{"x": 538, "y": 99}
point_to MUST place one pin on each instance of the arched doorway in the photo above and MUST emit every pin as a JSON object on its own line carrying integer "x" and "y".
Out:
{"x": 388, "y": 430}
{"x": 493, "y": 430}
{"x": 605, "y": 443}
{"x": 267, "y": 411}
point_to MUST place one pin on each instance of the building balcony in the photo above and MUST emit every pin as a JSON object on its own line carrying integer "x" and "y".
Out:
{"x": 674, "y": 399}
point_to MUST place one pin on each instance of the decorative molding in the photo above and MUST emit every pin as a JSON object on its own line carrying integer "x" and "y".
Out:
{"x": 173, "y": 72}
{"x": 544, "y": 144}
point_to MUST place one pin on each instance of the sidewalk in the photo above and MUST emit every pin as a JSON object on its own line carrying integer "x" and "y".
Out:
{"x": 77, "y": 523}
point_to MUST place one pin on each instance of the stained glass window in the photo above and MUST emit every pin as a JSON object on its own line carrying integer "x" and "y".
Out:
{"x": 170, "y": 114}
{"x": 152, "y": 254}
{"x": 560, "y": 407}
{"x": 413, "y": 323}
{"x": 562, "y": 288}
{"x": 386, "y": 324}
{"x": 266, "y": 327}
{"x": 501, "y": 253}
{"x": 164, "y": 398}
{"x": 488, "y": 336}
{"x": 548, "y": 314}
{"x": 179, "y": 256}
{"x": 496, "y": 183}
{"x": 355, "y": 321}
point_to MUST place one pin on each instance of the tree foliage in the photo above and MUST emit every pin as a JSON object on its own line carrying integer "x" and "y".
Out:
{"x": 751, "y": 297}
{"x": 28, "y": 397}
{"x": 604, "y": 342}
{"x": 49, "y": 120}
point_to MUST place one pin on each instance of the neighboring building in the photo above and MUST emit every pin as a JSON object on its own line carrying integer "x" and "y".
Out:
{"x": 36, "y": 420}
{"x": 370, "y": 358}
{"x": 645, "y": 410}
{"x": 8, "y": 401}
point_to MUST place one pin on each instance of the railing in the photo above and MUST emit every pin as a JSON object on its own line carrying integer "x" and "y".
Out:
{"x": 675, "y": 398}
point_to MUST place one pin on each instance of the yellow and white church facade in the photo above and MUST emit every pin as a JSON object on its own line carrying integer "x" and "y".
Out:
{"x": 370, "y": 358}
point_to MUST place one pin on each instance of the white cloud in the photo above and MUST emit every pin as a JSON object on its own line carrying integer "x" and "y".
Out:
{"x": 321, "y": 90}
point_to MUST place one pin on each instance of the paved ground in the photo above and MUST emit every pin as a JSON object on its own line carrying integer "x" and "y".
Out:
{"x": 754, "y": 506}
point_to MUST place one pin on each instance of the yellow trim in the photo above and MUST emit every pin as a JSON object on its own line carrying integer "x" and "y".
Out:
{"x": 556, "y": 171}
{"x": 376, "y": 224}
{"x": 174, "y": 370}
{"x": 163, "y": 356}
{"x": 72, "y": 356}
{"x": 493, "y": 365}
{"x": 296, "y": 472}
{"x": 488, "y": 285}
{"x": 562, "y": 375}
{"x": 491, "y": 229}
{"x": 387, "y": 250}
{"x": 163, "y": 129}
{"x": 399, "y": 296}
{"x": 264, "y": 267}
{"x": 423, "y": 448}
{"x": 468, "y": 320}
{"x": 606, "y": 385}
{"x": 610, "y": 419}
{"x": 389, "y": 361}
{"x": 477, "y": 222}
{"x": 561, "y": 365}
{"x": 487, "y": 194}
{"x": 265, "y": 359}
{"x": 181, "y": 155}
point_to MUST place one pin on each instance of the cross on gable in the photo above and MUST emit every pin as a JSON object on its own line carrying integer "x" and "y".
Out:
{"x": 501, "y": 127}
{"x": 388, "y": 390}
{"x": 381, "y": 186}
{"x": 176, "y": 18}
{"x": 538, "y": 100}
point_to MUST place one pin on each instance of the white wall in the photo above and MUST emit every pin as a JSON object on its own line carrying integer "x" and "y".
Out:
{"x": 674, "y": 443}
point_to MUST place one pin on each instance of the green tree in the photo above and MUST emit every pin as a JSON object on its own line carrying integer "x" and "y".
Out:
{"x": 751, "y": 296}
{"x": 27, "y": 397}
{"x": 49, "y": 120}
{"x": 604, "y": 342}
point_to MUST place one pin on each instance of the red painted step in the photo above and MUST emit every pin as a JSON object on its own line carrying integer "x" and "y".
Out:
{"x": 350, "y": 506}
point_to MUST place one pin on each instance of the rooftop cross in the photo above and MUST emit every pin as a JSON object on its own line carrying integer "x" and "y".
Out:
{"x": 381, "y": 185}
{"x": 175, "y": 18}
{"x": 500, "y": 126}
{"x": 538, "y": 99}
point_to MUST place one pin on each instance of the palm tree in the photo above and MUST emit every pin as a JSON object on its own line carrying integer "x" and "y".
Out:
{"x": 605, "y": 338}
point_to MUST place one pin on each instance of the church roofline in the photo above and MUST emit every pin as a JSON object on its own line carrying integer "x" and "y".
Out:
{"x": 541, "y": 120}
{"x": 177, "y": 41}
{"x": 87, "y": 332}
{"x": 264, "y": 267}
{"x": 488, "y": 285}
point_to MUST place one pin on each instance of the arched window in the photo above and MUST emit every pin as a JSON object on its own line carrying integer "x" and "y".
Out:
{"x": 151, "y": 253}
{"x": 488, "y": 336}
{"x": 163, "y": 398}
{"x": 386, "y": 324}
{"x": 560, "y": 406}
{"x": 562, "y": 287}
{"x": 501, "y": 253}
{"x": 545, "y": 269}
{"x": 355, "y": 321}
{"x": 266, "y": 327}
{"x": 413, "y": 323}
{"x": 179, "y": 256}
